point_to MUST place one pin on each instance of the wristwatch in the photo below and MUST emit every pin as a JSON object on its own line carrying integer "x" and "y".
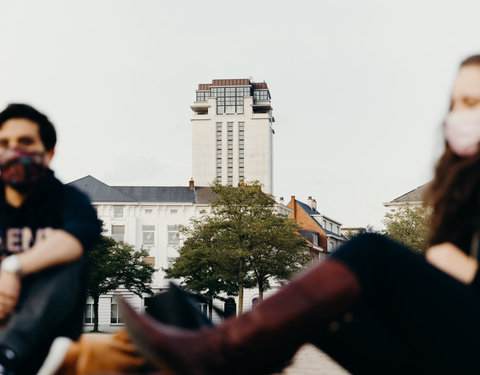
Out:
{"x": 12, "y": 264}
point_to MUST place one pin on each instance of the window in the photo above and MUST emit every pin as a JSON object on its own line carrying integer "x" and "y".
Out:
{"x": 115, "y": 317}
{"x": 203, "y": 307}
{"x": 315, "y": 239}
{"x": 173, "y": 211}
{"x": 148, "y": 234}
{"x": 173, "y": 235}
{"x": 89, "y": 316}
{"x": 171, "y": 261}
{"x": 324, "y": 224}
{"x": 149, "y": 260}
{"x": 261, "y": 95}
{"x": 118, "y": 212}
{"x": 202, "y": 96}
{"x": 230, "y": 99}
{"x": 338, "y": 229}
{"x": 118, "y": 232}
{"x": 148, "y": 211}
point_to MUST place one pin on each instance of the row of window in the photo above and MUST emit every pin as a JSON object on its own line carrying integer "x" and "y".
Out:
{"x": 148, "y": 234}
{"x": 331, "y": 227}
{"x": 219, "y": 151}
{"x": 230, "y": 153}
{"x": 222, "y": 92}
{"x": 261, "y": 95}
{"x": 119, "y": 211}
{"x": 241, "y": 151}
{"x": 115, "y": 316}
{"x": 241, "y": 155}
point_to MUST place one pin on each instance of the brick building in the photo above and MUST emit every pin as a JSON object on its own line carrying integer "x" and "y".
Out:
{"x": 322, "y": 233}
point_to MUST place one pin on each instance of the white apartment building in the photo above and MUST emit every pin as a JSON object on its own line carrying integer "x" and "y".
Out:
{"x": 232, "y": 133}
{"x": 148, "y": 217}
{"x": 143, "y": 216}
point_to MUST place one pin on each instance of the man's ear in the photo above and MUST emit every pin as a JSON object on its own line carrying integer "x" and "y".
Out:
{"x": 48, "y": 157}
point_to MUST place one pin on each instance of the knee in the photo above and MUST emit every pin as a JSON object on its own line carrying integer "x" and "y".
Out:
{"x": 370, "y": 241}
{"x": 66, "y": 278}
{"x": 369, "y": 246}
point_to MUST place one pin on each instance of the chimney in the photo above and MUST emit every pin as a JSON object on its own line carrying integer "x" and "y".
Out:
{"x": 294, "y": 207}
{"x": 314, "y": 203}
{"x": 191, "y": 184}
{"x": 310, "y": 202}
{"x": 281, "y": 200}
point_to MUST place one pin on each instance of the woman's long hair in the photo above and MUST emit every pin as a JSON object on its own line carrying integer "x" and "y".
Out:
{"x": 454, "y": 195}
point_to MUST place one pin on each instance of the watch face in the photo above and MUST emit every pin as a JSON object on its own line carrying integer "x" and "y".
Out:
{"x": 11, "y": 264}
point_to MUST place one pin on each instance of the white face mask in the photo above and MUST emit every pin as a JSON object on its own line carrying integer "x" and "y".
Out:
{"x": 462, "y": 132}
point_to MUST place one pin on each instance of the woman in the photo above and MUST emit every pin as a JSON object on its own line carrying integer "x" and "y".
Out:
{"x": 374, "y": 306}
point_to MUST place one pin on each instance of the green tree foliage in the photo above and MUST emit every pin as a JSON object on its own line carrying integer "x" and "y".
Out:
{"x": 243, "y": 242}
{"x": 409, "y": 225}
{"x": 117, "y": 264}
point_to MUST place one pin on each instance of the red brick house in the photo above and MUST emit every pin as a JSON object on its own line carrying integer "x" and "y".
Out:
{"x": 322, "y": 234}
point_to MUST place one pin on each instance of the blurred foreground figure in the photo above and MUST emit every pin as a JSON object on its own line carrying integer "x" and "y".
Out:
{"x": 374, "y": 306}
{"x": 45, "y": 230}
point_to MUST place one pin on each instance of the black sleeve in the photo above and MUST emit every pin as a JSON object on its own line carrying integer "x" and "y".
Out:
{"x": 476, "y": 280}
{"x": 80, "y": 218}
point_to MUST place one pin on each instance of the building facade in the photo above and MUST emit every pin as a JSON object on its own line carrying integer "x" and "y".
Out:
{"x": 412, "y": 198}
{"x": 322, "y": 233}
{"x": 148, "y": 217}
{"x": 232, "y": 133}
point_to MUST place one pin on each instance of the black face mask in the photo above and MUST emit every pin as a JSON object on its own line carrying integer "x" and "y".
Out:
{"x": 21, "y": 169}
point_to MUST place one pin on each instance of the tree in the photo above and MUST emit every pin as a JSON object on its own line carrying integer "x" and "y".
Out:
{"x": 114, "y": 264}
{"x": 243, "y": 242}
{"x": 200, "y": 264}
{"x": 409, "y": 225}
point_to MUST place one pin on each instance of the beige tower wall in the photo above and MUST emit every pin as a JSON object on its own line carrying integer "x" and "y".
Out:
{"x": 258, "y": 146}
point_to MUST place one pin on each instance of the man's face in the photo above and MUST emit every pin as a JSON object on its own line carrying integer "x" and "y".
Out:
{"x": 23, "y": 134}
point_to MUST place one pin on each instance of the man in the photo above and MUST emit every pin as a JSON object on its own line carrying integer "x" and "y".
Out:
{"x": 45, "y": 230}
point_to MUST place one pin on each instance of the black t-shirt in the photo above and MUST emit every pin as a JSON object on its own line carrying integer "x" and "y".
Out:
{"x": 51, "y": 205}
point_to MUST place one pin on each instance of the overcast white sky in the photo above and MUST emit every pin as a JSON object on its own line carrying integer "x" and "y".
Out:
{"x": 359, "y": 88}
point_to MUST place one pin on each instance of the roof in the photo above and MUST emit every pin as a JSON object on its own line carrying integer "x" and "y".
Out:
{"x": 232, "y": 82}
{"x": 310, "y": 211}
{"x": 307, "y": 208}
{"x": 158, "y": 193}
{"x": 98, "y": 191}
{"x": 415, "y": 195}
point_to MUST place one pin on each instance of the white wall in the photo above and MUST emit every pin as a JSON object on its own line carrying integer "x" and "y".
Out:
{"x": 258, "y": 146}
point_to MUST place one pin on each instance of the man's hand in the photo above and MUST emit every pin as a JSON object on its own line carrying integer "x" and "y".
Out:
{"x": 450, "y": 259}
{"x": 9, "y": 292}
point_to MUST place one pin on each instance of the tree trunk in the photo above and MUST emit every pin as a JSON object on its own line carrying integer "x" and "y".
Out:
{"x": 210, "y": 308}
{"x": 95, "y": 312}
{"x": 240, "y": 289}
{"x": 260, "y": 290}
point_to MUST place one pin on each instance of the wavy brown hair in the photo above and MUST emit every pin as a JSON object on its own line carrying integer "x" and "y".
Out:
{"x": 454, "y": 195}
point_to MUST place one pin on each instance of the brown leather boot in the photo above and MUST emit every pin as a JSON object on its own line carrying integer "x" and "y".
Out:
{"x": 257, "y": 342}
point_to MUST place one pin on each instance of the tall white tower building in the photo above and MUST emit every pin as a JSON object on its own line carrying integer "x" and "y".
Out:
{"x": 232, "y": 133}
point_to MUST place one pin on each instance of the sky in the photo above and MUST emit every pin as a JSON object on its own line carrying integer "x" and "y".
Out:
{"x": 359, "y": 88}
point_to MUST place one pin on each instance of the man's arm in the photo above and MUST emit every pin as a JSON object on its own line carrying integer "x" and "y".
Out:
{"x": 59, "y": 247}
